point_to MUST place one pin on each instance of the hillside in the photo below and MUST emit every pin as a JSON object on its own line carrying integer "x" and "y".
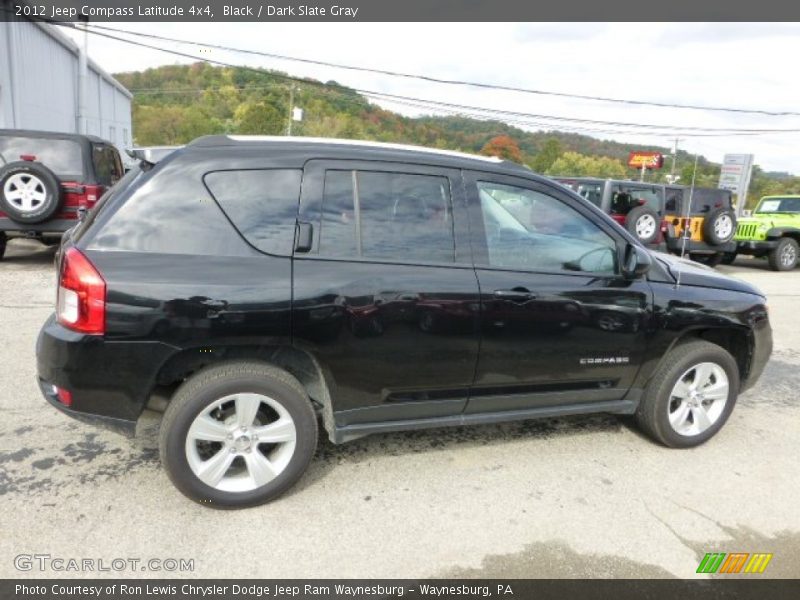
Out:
{"x": 177, "y": 103}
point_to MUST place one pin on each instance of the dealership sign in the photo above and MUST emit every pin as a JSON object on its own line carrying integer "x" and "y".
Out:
{"x": 735, "y": 175}
{"x": 645, "y": 160}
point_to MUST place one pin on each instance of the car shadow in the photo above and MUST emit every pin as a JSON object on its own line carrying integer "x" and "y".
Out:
{"x": 28, "y": 252}
{"x": 426, "y": 441}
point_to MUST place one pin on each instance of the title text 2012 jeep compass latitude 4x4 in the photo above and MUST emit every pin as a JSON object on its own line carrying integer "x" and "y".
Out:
{"x": 264, "y": 282}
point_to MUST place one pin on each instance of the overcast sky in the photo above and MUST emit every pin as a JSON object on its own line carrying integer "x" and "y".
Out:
{"x": 731, "y": 65}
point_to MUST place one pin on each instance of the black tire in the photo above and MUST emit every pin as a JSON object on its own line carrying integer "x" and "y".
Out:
{"x": 3, "y": 243}
{"x": 709, "y": 260}
{"x": 209, "y": 385}
{"x": 654, "y": 408}
{"x": 784, "y": 256}
{"x": 728, "y": 258}
{"x": 719, "y": 226}
{"x": 46, "y": 186}
{"x": 640, "y": 216}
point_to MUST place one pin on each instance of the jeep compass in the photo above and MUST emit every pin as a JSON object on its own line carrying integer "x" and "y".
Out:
{"x": 272, "y": 286}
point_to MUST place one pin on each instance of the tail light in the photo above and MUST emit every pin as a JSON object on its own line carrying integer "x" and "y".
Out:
{"x": 81, "y": 303}
{"x": 64, "y": 396}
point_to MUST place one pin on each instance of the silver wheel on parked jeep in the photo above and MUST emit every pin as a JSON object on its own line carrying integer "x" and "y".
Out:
{"x": 783, "y": 257}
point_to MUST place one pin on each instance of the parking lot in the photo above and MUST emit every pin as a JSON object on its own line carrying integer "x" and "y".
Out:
{"x": 577, "y": 497}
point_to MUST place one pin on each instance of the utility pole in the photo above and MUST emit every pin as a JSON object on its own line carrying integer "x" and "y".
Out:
{"x": 83, "y": 77}
{"x": 291, "y": 110}
{"x": 674, "y": 158}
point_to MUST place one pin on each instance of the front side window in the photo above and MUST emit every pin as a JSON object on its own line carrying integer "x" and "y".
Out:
{"x": 392, "y": 216}
{"x": 530, "y": 230}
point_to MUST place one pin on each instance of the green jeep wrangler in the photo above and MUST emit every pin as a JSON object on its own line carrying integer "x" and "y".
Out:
{"x": 773, "y": 230}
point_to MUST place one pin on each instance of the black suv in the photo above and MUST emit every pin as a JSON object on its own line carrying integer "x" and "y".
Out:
{"x": 48, "y": 179}
{"x": 265, "y": 282}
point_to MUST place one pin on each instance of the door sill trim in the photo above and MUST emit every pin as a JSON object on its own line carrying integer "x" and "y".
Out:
{"x": 351, "y": 432}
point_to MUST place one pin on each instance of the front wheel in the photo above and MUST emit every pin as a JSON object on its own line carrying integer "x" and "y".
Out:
{"x": 784, "y": 256}
{"x": 690, "y": 396}
{"x": 238, "y": 434}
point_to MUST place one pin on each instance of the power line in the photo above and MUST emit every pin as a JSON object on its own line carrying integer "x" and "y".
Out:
{"x": 438, "y": 105}
{"x": 438, "y": 80}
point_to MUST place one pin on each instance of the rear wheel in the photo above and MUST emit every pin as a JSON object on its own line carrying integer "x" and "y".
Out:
{"x": 784, "y": 256}
{"x": 728, "y": 258}
{"x": 238, "y": 434}
{"x": 3, "y": 243}
{"x": 690, "y": 396}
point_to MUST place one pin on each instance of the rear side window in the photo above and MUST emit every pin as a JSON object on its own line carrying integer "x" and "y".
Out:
{"x": 62, "y": 157}
{"x": 107, "y": 165}
{"x": 262, "y": 204}
{"x": 394, "y": 216}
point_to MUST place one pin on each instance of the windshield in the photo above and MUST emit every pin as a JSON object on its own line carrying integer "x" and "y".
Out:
{"x": 779, "y": 205}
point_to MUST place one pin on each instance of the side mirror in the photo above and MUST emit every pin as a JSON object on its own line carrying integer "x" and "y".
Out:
{"x": 636, "y": 262}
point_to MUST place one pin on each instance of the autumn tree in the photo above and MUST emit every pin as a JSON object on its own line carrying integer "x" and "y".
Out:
{"x": 503, "y": 146}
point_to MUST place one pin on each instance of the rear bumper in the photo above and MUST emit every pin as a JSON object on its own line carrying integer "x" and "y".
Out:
{"x": 110, "y": 381}
{"x": 52, "y": 226}
{"x": 676, "y": 245}
{"x": 123, "y": 426}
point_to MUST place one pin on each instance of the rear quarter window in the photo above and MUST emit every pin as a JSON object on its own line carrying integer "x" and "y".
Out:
{"x": 62, "y": 157}
{"x": 261, "y": 204}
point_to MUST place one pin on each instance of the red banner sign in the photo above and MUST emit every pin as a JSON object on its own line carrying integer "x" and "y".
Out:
{"x": 649, "y": 160}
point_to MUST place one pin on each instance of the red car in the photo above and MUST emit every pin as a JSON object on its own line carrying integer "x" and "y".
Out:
{"x": 47, "y": 180}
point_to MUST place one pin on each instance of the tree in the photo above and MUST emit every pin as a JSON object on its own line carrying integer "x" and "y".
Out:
{"x": 258, "y": 118}
{"x": 544, "y": 159}
{"x": 503, "y": 146}
{"x": 573, "y": 164}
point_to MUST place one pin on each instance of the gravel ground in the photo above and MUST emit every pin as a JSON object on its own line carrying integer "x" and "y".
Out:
{"x": 578, "y": 497}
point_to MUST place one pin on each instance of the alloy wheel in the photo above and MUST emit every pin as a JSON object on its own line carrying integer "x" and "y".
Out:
{"x": 241, "y": 442}
{"x": 723, "y": 227}
{"x": 645, "y": 226}
{"x": 788, "y": 255}
{"x": 25, "y": 192}
{"x": 698, "y": 399}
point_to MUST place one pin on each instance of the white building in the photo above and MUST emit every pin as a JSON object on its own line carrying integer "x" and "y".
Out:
{"x": 39, "y": 86}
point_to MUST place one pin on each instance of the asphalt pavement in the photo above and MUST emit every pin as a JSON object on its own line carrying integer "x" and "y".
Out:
{"x": 573, "y": 497}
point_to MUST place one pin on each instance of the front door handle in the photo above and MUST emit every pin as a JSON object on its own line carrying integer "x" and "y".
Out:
{"x": 517, "y": 294}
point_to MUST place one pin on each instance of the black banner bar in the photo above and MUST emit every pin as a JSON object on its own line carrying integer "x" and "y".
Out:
{"x": 401, "y": 10}
{"x": 753, "y": 588}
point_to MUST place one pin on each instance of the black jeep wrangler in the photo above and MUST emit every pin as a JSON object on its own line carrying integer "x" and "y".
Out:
{"x": 270, "y": 284}
{"x": 48, "y": 179}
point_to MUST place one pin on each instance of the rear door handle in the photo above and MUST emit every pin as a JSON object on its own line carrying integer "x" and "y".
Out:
{"x": 516, "y": 294}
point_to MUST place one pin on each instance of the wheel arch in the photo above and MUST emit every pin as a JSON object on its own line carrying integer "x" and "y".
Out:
{"x": 778, "y": 232}
{"x": 298, "y": 363}
{"x": 737, "y": 341}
